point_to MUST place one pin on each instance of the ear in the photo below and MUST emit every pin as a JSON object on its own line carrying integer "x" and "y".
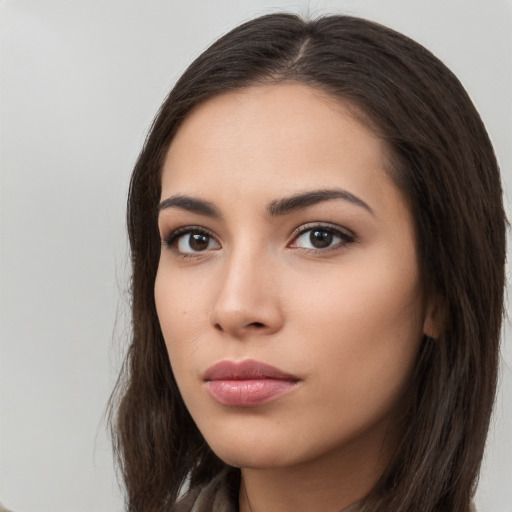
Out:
{"x": 435, "y": 318}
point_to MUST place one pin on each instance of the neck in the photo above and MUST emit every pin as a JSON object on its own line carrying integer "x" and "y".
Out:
{"x": 330, "y": 483}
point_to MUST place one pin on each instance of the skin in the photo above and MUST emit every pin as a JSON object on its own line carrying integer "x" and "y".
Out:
{"x": 346, "y": 320}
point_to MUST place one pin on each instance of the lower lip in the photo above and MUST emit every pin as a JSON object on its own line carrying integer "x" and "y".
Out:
{"x": 248, "y": 393}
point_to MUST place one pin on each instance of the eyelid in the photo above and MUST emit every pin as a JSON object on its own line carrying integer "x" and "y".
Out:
{"x": 321, "y": 224}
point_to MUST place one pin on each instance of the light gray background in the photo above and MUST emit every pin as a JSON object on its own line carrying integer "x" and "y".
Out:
{"x": 80, "y": 81}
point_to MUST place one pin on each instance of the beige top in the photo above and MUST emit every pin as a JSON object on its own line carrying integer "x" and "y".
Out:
{"x": 221, "y": 495}
{"x": 218, "y": 496}
{"x": 215, "y": 497}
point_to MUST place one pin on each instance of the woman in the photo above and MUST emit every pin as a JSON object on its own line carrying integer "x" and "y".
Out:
{"x": 318, "y": 243}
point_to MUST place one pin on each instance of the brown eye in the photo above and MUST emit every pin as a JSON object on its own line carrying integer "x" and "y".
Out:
{"x": 322, "y": 238}
{"x": 198, "y": 242}
{"x": 195, "y": 241}
{"x": 191, "y": 240}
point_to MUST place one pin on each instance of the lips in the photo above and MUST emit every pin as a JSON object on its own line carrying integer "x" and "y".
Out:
{"x": 247, "y": 383}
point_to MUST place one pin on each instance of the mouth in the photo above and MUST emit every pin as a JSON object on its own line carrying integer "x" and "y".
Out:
{"x": 247, "y": 383}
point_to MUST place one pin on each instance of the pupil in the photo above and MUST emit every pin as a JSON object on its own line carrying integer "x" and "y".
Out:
{"x": 198, "y": 242}
{"x": 320, "y": 239}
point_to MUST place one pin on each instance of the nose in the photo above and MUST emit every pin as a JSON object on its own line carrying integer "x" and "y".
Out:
{"x": 248, "y": 302}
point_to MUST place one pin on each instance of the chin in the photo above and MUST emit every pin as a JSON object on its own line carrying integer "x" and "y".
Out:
{"x": 252, "y": 458}
{"x": 253, "y": 452}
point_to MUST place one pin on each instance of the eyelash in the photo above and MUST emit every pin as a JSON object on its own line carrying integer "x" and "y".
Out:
{"x": 174, "y": 237}
{"x": 346, "y": 237}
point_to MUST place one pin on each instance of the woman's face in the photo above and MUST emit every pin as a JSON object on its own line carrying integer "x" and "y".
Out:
{"x": 288, "y": 288}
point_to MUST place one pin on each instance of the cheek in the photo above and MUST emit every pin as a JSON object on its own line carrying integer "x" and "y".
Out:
{"x": 351, "y": 299}
{"x": 363, "y": 325}
{"x": 179, "y": 322}
{"x": 179, "y": 309}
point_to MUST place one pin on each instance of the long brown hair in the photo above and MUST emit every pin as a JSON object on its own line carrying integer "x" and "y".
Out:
{"x": 444, "y": 163}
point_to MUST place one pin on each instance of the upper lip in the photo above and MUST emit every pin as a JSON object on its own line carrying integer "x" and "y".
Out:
{"x": 247, "y": 369}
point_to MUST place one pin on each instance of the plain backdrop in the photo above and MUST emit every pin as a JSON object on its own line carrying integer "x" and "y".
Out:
{"x": 80, "y": 82}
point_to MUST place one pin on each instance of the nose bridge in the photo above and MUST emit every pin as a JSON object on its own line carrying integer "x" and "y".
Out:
{"x": 247, "y": 297}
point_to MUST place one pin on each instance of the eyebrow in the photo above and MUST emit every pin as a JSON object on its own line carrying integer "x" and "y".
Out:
{"x": 295, "y": 202}
{"x": 275, "y": 208}
{"x": 190, "y": 204}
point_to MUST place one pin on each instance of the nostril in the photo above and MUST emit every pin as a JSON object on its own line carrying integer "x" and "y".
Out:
{"x": 252, "y": 325}
{"x": 257, "y": 325}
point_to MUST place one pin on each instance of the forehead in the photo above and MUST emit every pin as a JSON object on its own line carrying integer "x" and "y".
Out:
{"x": 286, "y": 137}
